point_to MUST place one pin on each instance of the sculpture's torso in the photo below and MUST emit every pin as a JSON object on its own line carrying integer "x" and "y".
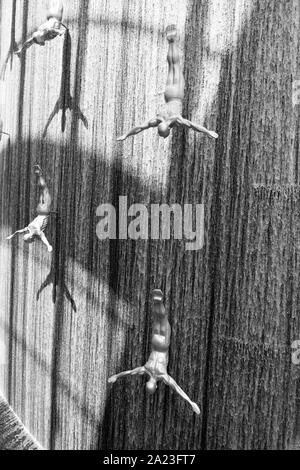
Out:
{"x": 159, "y": 358}
{"x": 38, "y": 225}
{"x": 46, "y": 31}
{"x": 171, "y": 109}
{"x": 157, "y": 363}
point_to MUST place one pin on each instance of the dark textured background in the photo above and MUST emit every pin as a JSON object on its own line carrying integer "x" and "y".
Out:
{"x": 234, "y": 306}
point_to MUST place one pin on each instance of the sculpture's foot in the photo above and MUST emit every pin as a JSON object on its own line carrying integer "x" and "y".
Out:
{"x": 171, "y": 32}
{"x": 157, "y": 296}
{"x": 37, "y": 170}
{"x": 158, "y": 305}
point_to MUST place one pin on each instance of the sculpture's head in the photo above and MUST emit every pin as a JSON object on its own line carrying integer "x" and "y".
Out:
{"x": 28, "y": 238}
{"x": 164, "y": 130}
{"x": 151, "y": 386}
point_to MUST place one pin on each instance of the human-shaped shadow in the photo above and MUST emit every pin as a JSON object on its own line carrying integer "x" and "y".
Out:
{"x": 35, "y": 230}
{"x": 13, "y": 43}
{"x": 55, "y": 274}
{"x": 171, "y": 116}
{"x": 156, "y": 367}
{"x": 65, "y": 100}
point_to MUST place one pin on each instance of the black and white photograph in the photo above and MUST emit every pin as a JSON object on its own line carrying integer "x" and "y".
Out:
{"x": 149, "y": 228}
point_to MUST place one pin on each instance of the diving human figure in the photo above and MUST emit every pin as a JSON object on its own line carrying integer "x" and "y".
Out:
{"x": 156, "y": 366}
{"x": 171, "y": 116}
{"x": 48, "y": 30}
{"x": 36, "y": 228}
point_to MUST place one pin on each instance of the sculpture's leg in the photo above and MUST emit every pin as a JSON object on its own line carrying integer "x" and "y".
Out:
{"x": 55, "y": 10}
{"x": 161, "y": 323}
{"x": 158, "y": 302}
{"x": 175, "y": 82}
{"x": 45, "y": 200}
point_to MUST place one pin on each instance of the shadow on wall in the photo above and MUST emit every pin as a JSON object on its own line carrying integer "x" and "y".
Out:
{"x": 66, "y": 286}
{"x": 68, "y": 20}
{"x": 13, "y": 44}
{"x": 70, "y": 212}
{"x": 65, "y": 100}
{"x": 54, "y": 276}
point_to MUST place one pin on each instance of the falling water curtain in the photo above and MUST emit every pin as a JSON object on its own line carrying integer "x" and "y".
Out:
{"x": 69, "y": 322}
{"x": 13, "y": 434}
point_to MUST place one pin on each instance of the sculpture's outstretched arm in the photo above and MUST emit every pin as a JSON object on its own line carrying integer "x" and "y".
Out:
{"x": 197, "y": 128}
{"x": 26, "y": 45}
{"x": 136, "y": 130}
{"x": 1, "y": 130}
{"x": 169, "y": 381}
{"x": 137, "y": 371}
{"x": 16, "y": 233}
{"x": 45, "y": 241}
